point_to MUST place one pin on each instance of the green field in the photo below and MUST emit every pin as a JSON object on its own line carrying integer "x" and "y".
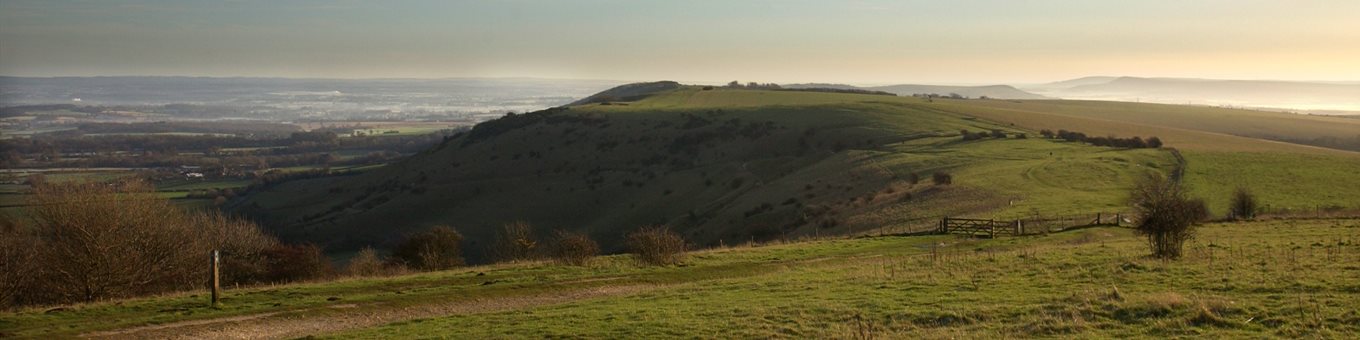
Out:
{"x": 1261, "y": 279}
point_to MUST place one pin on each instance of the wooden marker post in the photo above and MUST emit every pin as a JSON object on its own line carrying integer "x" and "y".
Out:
{"x": 214, "y": 283}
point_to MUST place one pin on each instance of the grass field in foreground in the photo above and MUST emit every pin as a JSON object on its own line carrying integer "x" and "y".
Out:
{"x": 1261, "y": 279}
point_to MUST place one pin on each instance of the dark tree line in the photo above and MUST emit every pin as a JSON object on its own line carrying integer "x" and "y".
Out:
{"x": 1110, "y": 141}
{"x": 754, "y": 85}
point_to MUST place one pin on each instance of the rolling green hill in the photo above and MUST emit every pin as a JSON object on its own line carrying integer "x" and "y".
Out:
{"x": 732, "y": 165}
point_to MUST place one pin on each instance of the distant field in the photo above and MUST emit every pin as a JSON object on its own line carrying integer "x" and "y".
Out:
{"x": 1290, "y": 279}
{"x": 1286, "y": 176}
{"x": 1293, "y": 181}
{"x": 12, "y": 133}
{"x": 1183, "y": 127}
{"x": 190, "y": 185}
{"x": 163, "y": 134}
{"x": 387, "y": 128}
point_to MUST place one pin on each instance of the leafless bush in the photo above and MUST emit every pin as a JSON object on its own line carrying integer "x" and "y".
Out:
{"x": 657, "y": 245}
{"x": 298, "y": 262}
{"x": 91, "y": 241}
{"x": 435, "y": 249}
{"x": 19, "y": 269}
{"x": 573, "y": 248}
{"x": 1244, "y": 205}
{"x": 366, "y": 263}
{"x": 1165, "y": 215}
{"x": 515, "y": 242}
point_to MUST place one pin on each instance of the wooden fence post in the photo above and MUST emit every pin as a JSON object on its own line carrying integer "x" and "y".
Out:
{"x": 216, "y": 284}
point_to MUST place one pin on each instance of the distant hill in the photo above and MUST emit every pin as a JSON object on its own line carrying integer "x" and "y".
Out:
{"x": 721, "y": 165}
{"x": 1304, "y": 96}
{"x": 821, "y": 86}
{"x": 1070, "y": 83}
{"x": 989, "y": 91}
{"x": 629, "y": 92}
{"x": 726, "y": 166}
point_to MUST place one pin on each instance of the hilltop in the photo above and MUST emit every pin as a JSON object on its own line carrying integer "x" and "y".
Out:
{"x": 729, "y": 165}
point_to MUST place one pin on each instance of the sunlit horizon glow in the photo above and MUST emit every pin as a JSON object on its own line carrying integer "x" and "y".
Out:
{"x": 859, "y": 42}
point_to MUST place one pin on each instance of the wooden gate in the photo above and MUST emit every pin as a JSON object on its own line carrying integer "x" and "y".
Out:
{"x": 978, "y": 227}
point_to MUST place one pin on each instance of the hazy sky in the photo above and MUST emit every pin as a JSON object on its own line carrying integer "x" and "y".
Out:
{"x": 770, "y": 41}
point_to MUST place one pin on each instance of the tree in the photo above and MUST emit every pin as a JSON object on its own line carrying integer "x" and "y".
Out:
{"x": 434, "y": 249}
{"x": 1165, "y": 215}
{"x": 1244, "y": 205}
{"x": 1154, "y": 142}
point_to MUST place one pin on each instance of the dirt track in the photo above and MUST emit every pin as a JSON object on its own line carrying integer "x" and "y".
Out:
{"x": 337, "y": 318}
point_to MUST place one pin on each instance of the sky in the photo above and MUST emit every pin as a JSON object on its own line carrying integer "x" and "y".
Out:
{"x": 847, "y": 41}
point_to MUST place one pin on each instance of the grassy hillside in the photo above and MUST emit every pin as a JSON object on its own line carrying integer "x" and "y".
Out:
{"x": 1217, "y": 144}
{"x": 721, "y": 165}
{"x": 732, "y": 165}
{"x": 1291, "y": 279}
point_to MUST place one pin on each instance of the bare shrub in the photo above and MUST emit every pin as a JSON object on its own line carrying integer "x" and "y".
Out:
{"x": 435, "y": 249}
{"x": 365, "y": 263}
{"x": 515, "y": 242}
{"x": 574, "y": 249}
{"x": 92, "y": 241}
{"x": 656, "y": 245}
{"x": 298, "y": 262}
{"x": 1244, "y": 204}
{"x": 1165, "y": 215}
{"x": 19, "y": 267}
{"x": 240, "y": 242}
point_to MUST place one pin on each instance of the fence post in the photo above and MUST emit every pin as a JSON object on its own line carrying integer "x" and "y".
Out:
{"x": 992, "y": 223}
{"x": 1098, "y": 219}
{"x": 944, "y": 225}
{"x": 215, "y": 283}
